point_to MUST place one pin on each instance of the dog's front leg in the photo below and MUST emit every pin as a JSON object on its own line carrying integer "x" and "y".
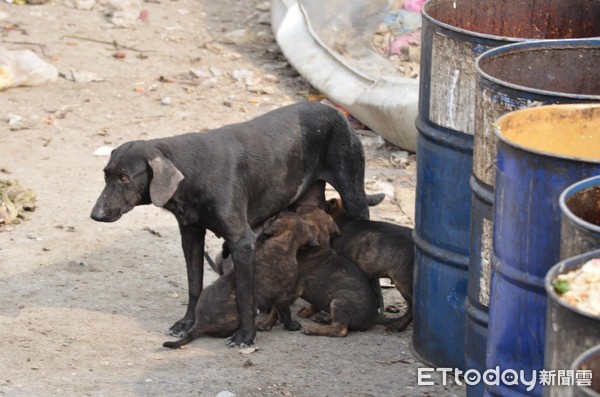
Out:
{"x": 243, "y": 253}
{"x": 192, "y": 241}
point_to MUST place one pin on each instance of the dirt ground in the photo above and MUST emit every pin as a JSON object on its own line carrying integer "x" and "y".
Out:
{"x": 84, "y": 306}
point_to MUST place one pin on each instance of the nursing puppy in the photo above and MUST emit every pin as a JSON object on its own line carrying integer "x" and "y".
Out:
{"x": 380, "y": 249}
{"x": 276, "y": 278}
{"x": 332, "y": 283}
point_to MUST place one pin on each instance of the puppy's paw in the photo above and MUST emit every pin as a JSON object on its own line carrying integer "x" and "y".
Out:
{"x": 264, "y": 326}
{"x": 293, "y": 326}
{"x": 306, "y": 311}
{"x": 321, "y": 318}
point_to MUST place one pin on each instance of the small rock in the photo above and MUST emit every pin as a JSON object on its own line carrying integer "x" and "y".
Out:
{"x": 215, "y": 71}
{"x": 225, "y": 393}
{"x": 264, "y": 6}
{"x": 80, "y": 76}
{"x": 103, "y": 151}
{"x": 80, "y": 4}
{"x": 14, "y": 119}
{"x": 166, "y": 101}
{"x": 238, "y": 37}
{"x": 271, "y": 78}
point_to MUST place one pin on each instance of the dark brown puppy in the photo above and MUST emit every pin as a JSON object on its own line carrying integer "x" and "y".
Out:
{"x": 380, "y": 249}
{"x": 331, "y": 283}
{"x": 276, "y": 278}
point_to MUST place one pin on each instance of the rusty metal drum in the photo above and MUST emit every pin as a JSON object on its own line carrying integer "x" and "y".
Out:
{"x": 580, "y": 207}
{"x": 509, "y": 78}
{"x": 454, "y": 34}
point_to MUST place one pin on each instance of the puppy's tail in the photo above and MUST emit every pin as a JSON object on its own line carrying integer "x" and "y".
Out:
{"x": 374, "y": 199}
{"x": 180, "y": 342}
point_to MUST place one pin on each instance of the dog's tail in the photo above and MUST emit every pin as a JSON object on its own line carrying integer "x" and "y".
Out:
{"x": 395, "y": 324}
{"x": 374, "y": 199}
{"x": 187, "y": 338}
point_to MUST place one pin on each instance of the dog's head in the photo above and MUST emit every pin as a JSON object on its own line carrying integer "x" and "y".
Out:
{"x": 287, "y": 228}
{"x": 136, "y": 174}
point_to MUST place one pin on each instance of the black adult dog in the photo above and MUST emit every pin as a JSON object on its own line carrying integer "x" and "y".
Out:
{"x": 232, "y": 179}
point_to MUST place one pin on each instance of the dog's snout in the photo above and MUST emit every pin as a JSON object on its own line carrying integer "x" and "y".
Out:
{"x": 98, "y": 213}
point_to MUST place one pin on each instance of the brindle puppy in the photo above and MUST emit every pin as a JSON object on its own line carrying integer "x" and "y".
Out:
{"x": 276, "y": 278}
{"x": 380, "y": 249}
{"x": 331, "y": 283}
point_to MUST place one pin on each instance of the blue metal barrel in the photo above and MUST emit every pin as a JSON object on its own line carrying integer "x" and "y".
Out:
{"x": 509, "y": 78}
{"x": 541, "y": 151}
{"x": 454, "y": 33}
{"x": 580, "y": 207}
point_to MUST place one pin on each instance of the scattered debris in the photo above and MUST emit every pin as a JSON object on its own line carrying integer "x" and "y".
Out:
{"x": 80, "y": 4}
{"x": 103, "y": 151}
{"x": 15, "y": 200}
{"x": 248, "y": 350}
{"x": 398, "y": 38}
{"x": 153, "y": 232}
{"x": 14, "y": 119}
{"x": 24, "y": 68}
{"x": 225, "y": 393}
{"x": 124, "y": 13}
{"x": 80, "y": 76}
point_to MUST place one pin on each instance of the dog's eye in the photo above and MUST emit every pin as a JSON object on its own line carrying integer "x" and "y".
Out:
{"x": 123, "y": 178}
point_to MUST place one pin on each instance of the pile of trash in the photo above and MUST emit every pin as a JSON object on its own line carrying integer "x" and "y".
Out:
{"x": 398, "y": 37}
{"x": 15, "y": 202}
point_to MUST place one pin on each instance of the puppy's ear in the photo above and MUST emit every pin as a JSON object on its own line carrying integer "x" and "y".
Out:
{"x": 271, "y": 230}
{"x": 331, "y": 206}
{"x": 165, "y": 180}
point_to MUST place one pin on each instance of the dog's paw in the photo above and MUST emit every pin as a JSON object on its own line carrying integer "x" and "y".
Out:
{"x": 240, "y": 339}
{"x": 179, "y": 329}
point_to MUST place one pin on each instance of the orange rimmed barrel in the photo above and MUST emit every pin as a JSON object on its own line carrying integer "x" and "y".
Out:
{"x": 541, "y": 151}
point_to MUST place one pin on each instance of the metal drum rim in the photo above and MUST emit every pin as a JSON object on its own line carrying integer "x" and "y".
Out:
{"x": 512, "y": 144}
{"x": 465, "y": 32}
{"x": 574, "y": 189}
{"x": 585, "y": 354}
{"x": 560, "y": 267}
{"x": 554, "y": 44}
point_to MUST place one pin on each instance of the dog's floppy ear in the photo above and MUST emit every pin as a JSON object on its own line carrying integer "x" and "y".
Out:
{"x": 165, "y": 180}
